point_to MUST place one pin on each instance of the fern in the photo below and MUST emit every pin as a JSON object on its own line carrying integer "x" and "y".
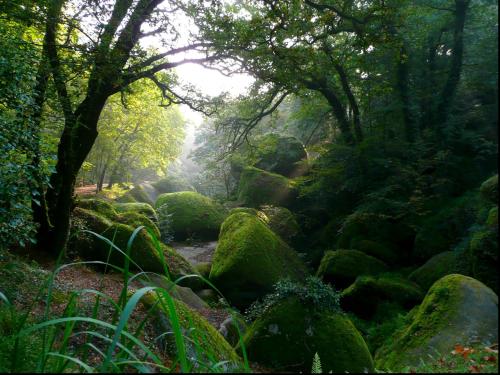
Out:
{"x": 316, "y": 365}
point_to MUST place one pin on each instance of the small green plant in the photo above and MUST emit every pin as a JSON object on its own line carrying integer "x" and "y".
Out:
{"x": 316, "y": 365}
{"x": 313, "y": 292}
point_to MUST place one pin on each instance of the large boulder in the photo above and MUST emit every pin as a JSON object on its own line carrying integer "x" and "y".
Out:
{"x": 378, "y": 235}
{"x": 135, "y": 219}
{"x": 287, "y": 336}
{"x": 136, "y": 194}
{"x": 482, "y": 254}
{"x": 144, "y": 251}
{"x": 282, "y": 222}
{"x": 435, "y": 268}
{"x": 203, "y": 344}
{"x": 100, "y": 206}
{"x": 489, "y": 189}
{"x": 281, "y": 155}
{"x": 193, "y": 215}
{"x": 341, "y": 267}
{"x": 258, "y": 187}
{"x": 250, "y": 259}
{"x": 367, "y": 292}
{"x": 142, "y": 208}
{"x": 456, "y": 310}
{"x": 172, "y": 184}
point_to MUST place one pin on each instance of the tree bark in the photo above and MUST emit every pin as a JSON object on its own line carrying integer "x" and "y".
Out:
{"x": 404, "y": 94}
{"x": 358, "y": 131}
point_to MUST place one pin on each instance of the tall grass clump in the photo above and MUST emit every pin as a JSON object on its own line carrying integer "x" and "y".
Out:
{"x": 79, "y": 339}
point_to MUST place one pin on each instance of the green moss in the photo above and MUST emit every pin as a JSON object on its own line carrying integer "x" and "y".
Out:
{"x": 341, "y": 267}
{"x": 204, "y": 269}
{"x": 193, "y": 215}
{"x": 172, "y": 184}
{"x": 279, "y": 154}
{"x": 247, "y": 210}
{"x": 250, "y": 258}
{"x": 282, "y": 222}
{"x": 142, "y": 208}
{"x": 288, "y": 335}
{"x": 489, "y": 189}
{"x": 135, "y": 219}
{"x": 367, "y": 292}
{"x": 387, "y": 236}
{"x": 258, "y": 187}
{"x": 136, "y": 194}
{"x": 457, "y": 309}
{"x": 435, "y": 268}
{"x": 203, "y": 343}
{"x": 100, "y": 206}
{"x": 483, "y": 248}
{"x": 492, "y": 219}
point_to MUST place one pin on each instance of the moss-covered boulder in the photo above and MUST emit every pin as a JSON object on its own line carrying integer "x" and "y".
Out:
{"x": 142, "y": 208}
{"x": 172, "y": 184}
{"x": 203, "y": 343}
{"x": 441, "y": 231}
{"x": 247, "y": 210}
{"x": 342, "y": 267}
{"x": 287, "y": 336}
{"x": 282, "y": 222}
{"x": 483, "y": 256}
{"x": 193, "y": 215}
{"x": 100, "y": 206}
{"x": 135, "y": 219}
{"x": 250, "y": 259}
{"x": 489, "y": 189}
{"x": 143, "y": 252}
{"x": 456, "y": 310}
{"x": 492, "y": 219}
{"x": 435, "y": 268}
{"x": 136, "y": 194}
{"x": 258, "y": 187}
{"x": 379, "y": 235}
{"x": 367, "y": 292}
{"x": 279, "y": 154}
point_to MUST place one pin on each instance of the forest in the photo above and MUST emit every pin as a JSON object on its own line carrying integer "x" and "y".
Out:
{"x": 268, "y": 186}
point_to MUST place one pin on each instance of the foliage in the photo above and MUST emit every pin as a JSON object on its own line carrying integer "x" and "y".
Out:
{"x": 316, "y": 365}
{"x": 313, "y": 292}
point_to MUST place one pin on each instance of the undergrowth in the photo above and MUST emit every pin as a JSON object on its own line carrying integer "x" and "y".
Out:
{"x": 80, "y": 340}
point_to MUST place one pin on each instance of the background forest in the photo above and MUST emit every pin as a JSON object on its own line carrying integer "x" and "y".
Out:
{"x": 339, "y": 214}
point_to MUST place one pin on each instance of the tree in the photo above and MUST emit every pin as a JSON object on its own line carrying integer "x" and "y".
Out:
{"x": 108, "y": 55}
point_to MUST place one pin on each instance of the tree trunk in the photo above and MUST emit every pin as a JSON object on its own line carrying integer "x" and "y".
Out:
{"x": 352, "y": 102}
{"x": 450, "y": 87}
{"x": 404, "y": 94}
{"x": 76, "y": 141}
{"x": 100, "y": 181}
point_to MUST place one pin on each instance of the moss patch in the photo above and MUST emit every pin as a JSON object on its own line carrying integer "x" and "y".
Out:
{"x": 457, "y": 309}
{"x": 489, "y": 189}
{"x": 342, "y": 267}
{"x": 250, "y": 258}
{"x": 258, "y": 187}
{"x": 282, "y": 222}
{"x": 135, "y": 219}
{"x": 136, "y": 194}
{"x": 142, "y": 208}
{"x": 203, "y": 342}
{"x": 193, "y": 215}
{"x": 435, "y": 268}
{"x": 100, "y": 206}
{"x": 287, "y": 336}
{"x": 172, "y": 184}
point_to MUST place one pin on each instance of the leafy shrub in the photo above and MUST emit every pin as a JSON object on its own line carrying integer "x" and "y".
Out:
{"x": 312, "y": 292}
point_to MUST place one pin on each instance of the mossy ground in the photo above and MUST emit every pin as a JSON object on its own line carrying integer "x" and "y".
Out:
{"x": 142, "y": 208}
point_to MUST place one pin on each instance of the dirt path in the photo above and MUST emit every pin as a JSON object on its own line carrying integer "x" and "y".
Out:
{"x": 197, "y": 253}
